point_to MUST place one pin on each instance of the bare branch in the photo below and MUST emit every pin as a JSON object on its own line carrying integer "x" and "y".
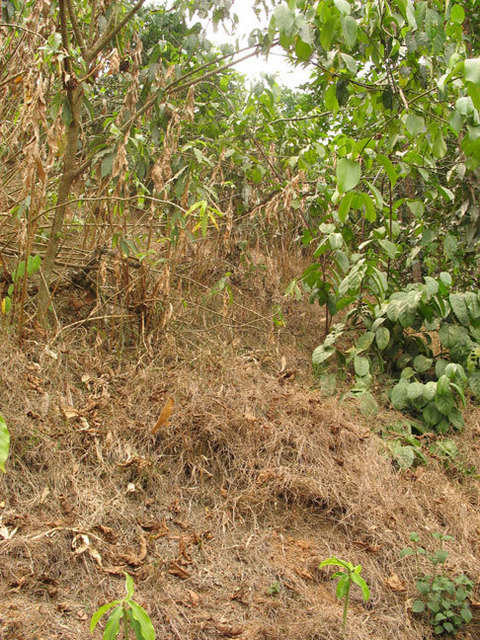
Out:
{"x": 64, "y": 32}
{"x": 76, "y": 30}
{"x": 93, "y": 19}
{"x": 17, "y": 26}
{"x": 111, "y": 33}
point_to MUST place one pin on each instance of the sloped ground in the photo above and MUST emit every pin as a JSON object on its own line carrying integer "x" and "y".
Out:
{"x": 223, "y": 515}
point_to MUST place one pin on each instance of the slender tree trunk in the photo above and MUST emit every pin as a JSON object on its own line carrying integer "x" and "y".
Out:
{"x": 63, "y": 194}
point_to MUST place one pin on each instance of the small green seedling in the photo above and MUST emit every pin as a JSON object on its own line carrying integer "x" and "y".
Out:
{"x": 127, "y": 611}
{"x": 346, "y": 577}
{"x": 274, "y": 589}
{"x": 4, "y": 443}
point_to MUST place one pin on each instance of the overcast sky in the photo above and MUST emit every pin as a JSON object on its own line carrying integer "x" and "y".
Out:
{"x": 253, "y": 67}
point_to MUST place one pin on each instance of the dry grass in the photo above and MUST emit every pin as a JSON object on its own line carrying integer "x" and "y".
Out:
{"x": 255, "y": 480}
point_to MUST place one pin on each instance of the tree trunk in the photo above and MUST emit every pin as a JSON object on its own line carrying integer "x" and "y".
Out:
{"x": 68, "y": 176}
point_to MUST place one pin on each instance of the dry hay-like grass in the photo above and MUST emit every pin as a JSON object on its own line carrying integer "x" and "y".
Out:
{"x": 224, "y": 514}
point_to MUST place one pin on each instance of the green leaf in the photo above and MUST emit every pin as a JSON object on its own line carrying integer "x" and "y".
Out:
{"x": 333, "y": 561}
{"x": 348, "y": 174}
{"x": 445, "y": 402}
{"x": 362, "y": 584}
{"x": 4, "y": 443}
{"x": 390, "y": 248}
{"x": 101, "y": 611}
{"x": 107, "y": 164}
{"x": 350, "y": 30}
{"x": 431, "y": 415}
{"x": 459, "y": 308}
{"x": 430, "y": 390}
{"x": 472, "y": 69}
{"x": 345, "y": 205}
{"x": 303, "y": 50}
{"x": 382, "y": 337}
{"x": 349, "y": 63}
{"x": 365, "y": 341}
{"x": 474, "y": 383}
{"x": 404, "y": 456}
{"x": 129, "y": 586}
{"x": 112, "y": 627}
{"x": 343, "y": 585}
{"x": 457, "y": 14}
{"x": 141, "y": 616}
{"x": 285, "y": 20}
{"x": 321, "y": 354}
{"x": 415, "y": 124}
{"x": 418, "y": 606}
{"x": 361, "y": 365}
{"x": 414, "y": 391}
{"x": 422, "y": 364}
{"x": 399, "y": 395}
{"x": 343, "y": 6}
{"x": 389, "y": 168}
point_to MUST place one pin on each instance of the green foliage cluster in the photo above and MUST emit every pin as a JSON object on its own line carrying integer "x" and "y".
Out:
{"x": 397, "y": 341}
{"x": 445, "y": 599}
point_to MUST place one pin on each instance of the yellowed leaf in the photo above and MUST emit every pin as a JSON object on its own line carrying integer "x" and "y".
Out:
{"x": 164, "y": 416}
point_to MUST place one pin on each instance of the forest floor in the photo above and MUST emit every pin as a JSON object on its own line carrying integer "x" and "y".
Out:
{"x": 223, "y": 515}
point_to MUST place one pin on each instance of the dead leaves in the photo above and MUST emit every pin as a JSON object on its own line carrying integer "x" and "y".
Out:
{"x": 136, "y": 559}
{"x": 395, "y": 584}
{"x": 164, "y": 416}
{"x": 176, "y": 569}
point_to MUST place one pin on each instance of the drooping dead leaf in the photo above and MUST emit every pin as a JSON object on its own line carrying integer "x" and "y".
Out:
{"x": 303, "y": 573}
{"x": 164, "y": 416}
{"x": 395, "y": 584}
{"x": 176, "y": 570}
{"x": 136, "y": 559}
{"x": 108, "y": 533}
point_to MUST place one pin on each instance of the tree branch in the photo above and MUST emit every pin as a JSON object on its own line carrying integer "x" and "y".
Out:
{"x": 64, "y": 33}
{"x": 17, "y": 26}
{"x": 76, "y": 30}
{"x": 111, "y": 33}
{"x": 311, "y": 117}
{"x": 93, "y": 18}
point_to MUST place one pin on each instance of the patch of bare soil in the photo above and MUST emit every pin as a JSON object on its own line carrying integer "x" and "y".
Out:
{"x": 223, "y": 515}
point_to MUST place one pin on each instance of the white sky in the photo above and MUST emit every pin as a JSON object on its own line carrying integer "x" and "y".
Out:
{"x": 276, "y": 63}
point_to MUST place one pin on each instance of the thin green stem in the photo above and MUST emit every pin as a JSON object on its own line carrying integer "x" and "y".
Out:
{"x": 125, "y": 622}
{"x": 345, "y": 606}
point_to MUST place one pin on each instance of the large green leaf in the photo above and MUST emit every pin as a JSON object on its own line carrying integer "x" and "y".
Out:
{"x": 457, "y": 14}
{"x": 472, "y": 70}
{"x": 415, "y": 124}
{"x": 350, "y": 30}
{"x": 399, "y": 395}
{"x": 321, "y": 354}
{"x": 285, "y": 20}
{"x": 389, "y": 168}
{"x": 459, "y": 307}
{"x": 362, "y": 366}
{"x": 382, "y": 337}
{"x": 141, "y": 616}
{"x": 348, "y": 174}
{"x": 112, "y": 628}
{"x": 474, "y": 383}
